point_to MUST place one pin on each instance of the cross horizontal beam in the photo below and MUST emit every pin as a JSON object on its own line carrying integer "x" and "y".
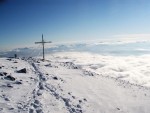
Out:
{"x": 42, "y": 42}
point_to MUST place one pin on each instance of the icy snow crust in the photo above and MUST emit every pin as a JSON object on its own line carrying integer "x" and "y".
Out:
{"x": 60, "y": 86}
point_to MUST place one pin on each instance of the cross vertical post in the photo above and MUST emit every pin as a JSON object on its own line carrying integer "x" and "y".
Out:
{"x": 43, "y": 47}
{"x": 43, "y": 42}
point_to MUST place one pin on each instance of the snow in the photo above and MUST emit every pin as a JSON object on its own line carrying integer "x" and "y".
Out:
{"x": 67, "y": 84}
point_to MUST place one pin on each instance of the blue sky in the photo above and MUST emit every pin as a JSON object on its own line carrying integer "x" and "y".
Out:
{"x": 22, "y": 22}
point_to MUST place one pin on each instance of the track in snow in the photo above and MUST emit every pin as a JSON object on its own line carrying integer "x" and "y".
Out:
{"x": 42, "y": 85}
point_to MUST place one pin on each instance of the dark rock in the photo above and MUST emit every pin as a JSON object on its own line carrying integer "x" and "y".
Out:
{"x": 73, "y": 97}
{"x": 14, "y": 67}
{"x": 9, "y": 77}
{"x": 3, "y": 73}
{"x": 39, "y": 93}
{"x": 38, "y": 62}
{"x": 7, "y": 99}
{"x": 35, "y": 105}
{"x": 31, "y": 77}
{"x": 73, "y": 110}
{"x": 84, "y": 99}
{"x": 18, "y": 82}
{"x": 80, "y": 111}
{"x": 11, "y": 108}
{"x": 78, "y": 106}
{"x": 75, "y": 67}
{"x": 0, "y": 67}
{"x": 55, "y": 78}
{"x": 118, "y": 108}
{"x": 43, "y": 78}
{"x": 8, "y": 85}
{"x": 36, "y": 102}
{"x": 48, "y": 65}
{"x": 9, "y": 59}
{"x": 1, "y": 109}
{"x": 31, "y": 111}
{"x": 66, "y": 102}
{"x": 41, "y": 86}
{"x": 80, "y": 101}
{"x": 22, "y": 71}
{"x": 39, "y": 111}
{"x": 15, "y": 62}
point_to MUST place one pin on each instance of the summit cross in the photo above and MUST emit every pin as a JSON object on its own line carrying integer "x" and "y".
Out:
{"x": 43, "y": 42}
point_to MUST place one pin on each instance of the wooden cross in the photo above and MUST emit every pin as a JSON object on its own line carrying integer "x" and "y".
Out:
{"x": 43, "y": 42}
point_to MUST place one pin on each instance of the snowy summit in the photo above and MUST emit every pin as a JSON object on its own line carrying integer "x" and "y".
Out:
{"x": 59, "y": 86}
{"x": 95, "y": 56}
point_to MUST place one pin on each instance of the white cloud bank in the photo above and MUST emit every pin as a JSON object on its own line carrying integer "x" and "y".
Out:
{"x": 132, "y": 68}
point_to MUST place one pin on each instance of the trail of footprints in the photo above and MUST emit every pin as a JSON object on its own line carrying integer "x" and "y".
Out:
{"x": 56, "y": 91}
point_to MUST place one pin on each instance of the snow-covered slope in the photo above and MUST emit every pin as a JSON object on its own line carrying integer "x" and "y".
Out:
{"x": 62, "y": 87}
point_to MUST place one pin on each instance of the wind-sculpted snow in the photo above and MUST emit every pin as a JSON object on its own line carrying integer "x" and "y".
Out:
{"x": 135, "y": 69}
{"x": 63, "y": 85}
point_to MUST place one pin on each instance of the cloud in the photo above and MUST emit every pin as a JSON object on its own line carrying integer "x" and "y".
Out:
{"x": 135, "y": 69}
